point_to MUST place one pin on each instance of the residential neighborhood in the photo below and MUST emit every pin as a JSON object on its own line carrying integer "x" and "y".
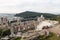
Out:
{"x": 28, "y": 30}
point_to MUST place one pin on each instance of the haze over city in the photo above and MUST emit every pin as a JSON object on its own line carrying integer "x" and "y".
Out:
{"x": 17, "y": 6}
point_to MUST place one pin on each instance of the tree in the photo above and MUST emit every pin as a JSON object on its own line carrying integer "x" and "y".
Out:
{"x": 18, "y": 38}
{"x": 1, "y": 31}
{"x": 58, "y": 18}
{"x": 6, "y": 32}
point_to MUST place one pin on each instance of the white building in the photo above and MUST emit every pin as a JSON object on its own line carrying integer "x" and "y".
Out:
{"x": 45, "y": 23}
{"x": 41, "y": 18}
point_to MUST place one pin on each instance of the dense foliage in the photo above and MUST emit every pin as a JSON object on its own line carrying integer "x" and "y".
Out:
{"x": 1, "y": 31}
{"x": 58, "y": 18}
{"x": 4, "y": 33}
{"x": 29, "y": 14}
{"x": 52, "y": 36}
{"x": 18, "y": 38}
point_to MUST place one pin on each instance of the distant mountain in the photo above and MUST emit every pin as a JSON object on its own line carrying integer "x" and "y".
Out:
{"x": 29, "y": 14}
{"x": 10, "y": 16}
{"x": 7, "y": 15}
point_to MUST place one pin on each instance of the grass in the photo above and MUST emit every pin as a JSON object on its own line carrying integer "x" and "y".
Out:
{"x": 18, "y": 38}
{"x": 52, "y": 36}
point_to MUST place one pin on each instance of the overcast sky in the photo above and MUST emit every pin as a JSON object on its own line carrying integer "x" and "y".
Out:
{"x": 16, "y": 6}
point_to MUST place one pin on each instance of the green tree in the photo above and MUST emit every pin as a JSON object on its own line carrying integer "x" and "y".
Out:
{"x": 58, "y": 18}
{"x": 6, "y": 32}
{"x": 18, "y": 38}
{"x": 1, "y": 31}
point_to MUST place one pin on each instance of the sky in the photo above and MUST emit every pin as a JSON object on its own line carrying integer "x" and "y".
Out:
{"x": 17, "y": 6}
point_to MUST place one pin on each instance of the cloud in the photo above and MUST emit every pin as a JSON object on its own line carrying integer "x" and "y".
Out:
{"x": 15, "y": 6}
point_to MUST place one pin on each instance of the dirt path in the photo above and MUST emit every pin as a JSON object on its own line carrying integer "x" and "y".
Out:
{"x": 55, "y": 29}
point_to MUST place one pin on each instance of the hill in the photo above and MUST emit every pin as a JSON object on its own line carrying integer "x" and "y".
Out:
{"x": 29, "y": 14}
